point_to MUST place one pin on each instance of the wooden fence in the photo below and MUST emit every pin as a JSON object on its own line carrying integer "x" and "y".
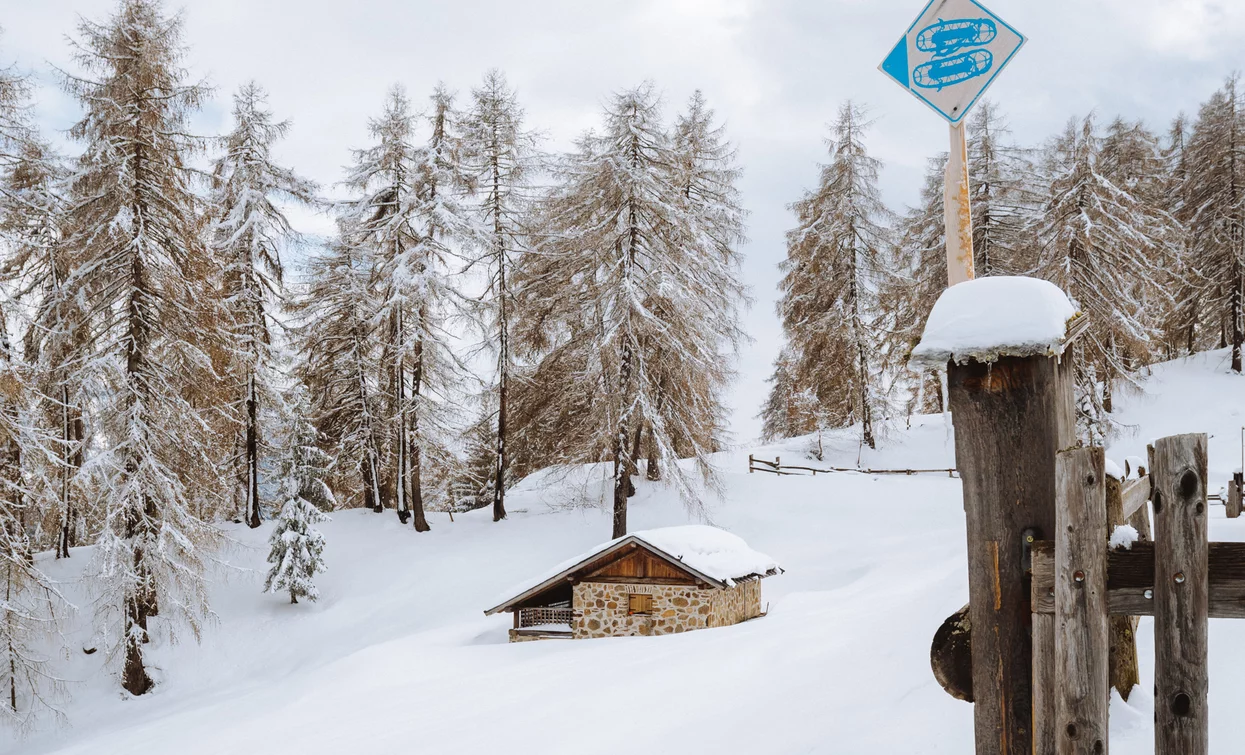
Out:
{"x": 777, "y": 467}
{"x": 1048, "y": 599}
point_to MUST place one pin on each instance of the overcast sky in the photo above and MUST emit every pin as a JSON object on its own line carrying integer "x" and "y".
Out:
{"x": 774, "y": 70}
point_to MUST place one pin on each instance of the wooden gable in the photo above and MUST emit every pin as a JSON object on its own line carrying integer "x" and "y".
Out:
{"x": 638, "y": 565}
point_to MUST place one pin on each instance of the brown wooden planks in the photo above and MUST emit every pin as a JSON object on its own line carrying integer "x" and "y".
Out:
{"x": 1123, "y": 659}
{"x": 1130, "y": 573}
{"x": 1181, "y": 595}
{"x": 1082, "y": 689}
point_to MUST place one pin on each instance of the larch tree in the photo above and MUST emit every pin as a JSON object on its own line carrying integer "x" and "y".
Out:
{"x": 711, "y": 221}
{"x": 132, "y": 235}
{"x": 249, "y": 228}
{"x": 499, "y": 155}
{"x": 31, "y": 605}
{"x": 29, "y": 601}
{"x": 1099, "y": 244}
{"x": 1180, "y": 320}
{"x": 339, "y": 364}
{"x": 1216, "y": 194}
{"x": 829, "y": 282}
{"x": 789, "y": 410}
{"x": 409, "y": 207}
{"x": 1003, "y": 197}
{"x": 635, "y": 277}
{"x": 912, "y": 283}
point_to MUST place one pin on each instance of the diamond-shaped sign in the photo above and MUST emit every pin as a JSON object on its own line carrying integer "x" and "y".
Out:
{"x": 951, "y": 54}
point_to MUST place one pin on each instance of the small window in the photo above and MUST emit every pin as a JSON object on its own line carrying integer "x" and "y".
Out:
{"x": 639, "y": 604}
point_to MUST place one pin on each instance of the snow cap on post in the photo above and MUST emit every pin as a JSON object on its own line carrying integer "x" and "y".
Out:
{"x": 989, "y": 318}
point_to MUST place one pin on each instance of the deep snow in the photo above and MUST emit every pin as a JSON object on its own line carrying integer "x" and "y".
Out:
{"x": 396, "y": 657}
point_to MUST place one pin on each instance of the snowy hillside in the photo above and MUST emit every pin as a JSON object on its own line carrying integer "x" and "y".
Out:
{"x": 397, "y": 657}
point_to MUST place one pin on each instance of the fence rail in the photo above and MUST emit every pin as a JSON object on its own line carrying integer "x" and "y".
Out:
{"x": 777, "y": 467}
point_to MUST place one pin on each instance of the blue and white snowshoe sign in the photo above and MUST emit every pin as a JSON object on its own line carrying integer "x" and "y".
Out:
{"x": 951, "y": 54}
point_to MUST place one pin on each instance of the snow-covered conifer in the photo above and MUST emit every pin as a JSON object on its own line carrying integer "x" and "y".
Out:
{"x": 499, "y": 158}
{"x": 912, "y": 283}
{"x": 132, "y": 235}
{"x": 248, "y": 230}
{"x": 1180, "y": 320}
{"x": 789, "y": 410}
{"x": 339, "y": 365}
{"x": 1003, "y": 197}
{"x": 1099, "y": 243}
{"x": 1216, "y": 196}
{"x": 637, "y": 282}
{"x": 829, "y": 283}
{"x": 408, "y": 208}
{"x": 296, "y": 546}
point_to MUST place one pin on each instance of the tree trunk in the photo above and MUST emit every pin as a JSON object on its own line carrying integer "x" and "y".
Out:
{"x": 633, "y": 462}
{"x": 1238, "y": 281}
{"x": 139, "y": 599}
{"x": 653, "y": 470}
{"x": 252, "y": 452}
{"x": 622, "y": 480}
{"x": 503, "y": 341}
{"x": 415, "y": 451}
{"x": 73, "y": 432}
{"x": 398, "y": 412}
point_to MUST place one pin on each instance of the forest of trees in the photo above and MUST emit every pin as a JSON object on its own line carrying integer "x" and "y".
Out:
{"x": 486, "y": 309}
{"x": 1144, "y": 231}
{"x": 483, "y": 310}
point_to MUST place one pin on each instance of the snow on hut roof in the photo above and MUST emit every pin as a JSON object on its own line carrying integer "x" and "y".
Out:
{"x": 988, "y": 318}
{"x": 712, "y": 554}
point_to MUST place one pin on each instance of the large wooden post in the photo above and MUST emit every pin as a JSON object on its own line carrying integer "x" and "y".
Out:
{"x": 1011, "y": 417}
{"x": 1181, "y": 595}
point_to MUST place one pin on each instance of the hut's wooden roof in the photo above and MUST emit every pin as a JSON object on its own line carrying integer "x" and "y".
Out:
{"x": 673, "y": 555}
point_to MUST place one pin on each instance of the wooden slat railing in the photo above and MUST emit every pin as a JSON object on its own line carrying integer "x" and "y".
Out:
{"x": 534, "y": 617}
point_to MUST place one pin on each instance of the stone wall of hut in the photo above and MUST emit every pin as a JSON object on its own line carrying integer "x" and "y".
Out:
{"x": 601, "y": 609}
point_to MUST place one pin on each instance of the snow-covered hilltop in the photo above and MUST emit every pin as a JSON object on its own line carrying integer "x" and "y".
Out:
{"x": 397, "y": 650}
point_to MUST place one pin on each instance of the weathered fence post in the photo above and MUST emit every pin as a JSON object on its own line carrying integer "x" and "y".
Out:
{"x": 1124, "y": 671}
{"x": 1011, "y": 416}
{"x": 1181, "y": 595}
{"x": 1081, "y": 637}
{"x": 1236, "y": 492}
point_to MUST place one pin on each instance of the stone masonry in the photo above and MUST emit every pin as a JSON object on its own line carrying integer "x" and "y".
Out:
{"x": 600, "y": 609}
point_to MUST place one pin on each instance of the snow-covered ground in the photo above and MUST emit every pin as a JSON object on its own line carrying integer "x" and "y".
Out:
{"x": 398, "y": 658}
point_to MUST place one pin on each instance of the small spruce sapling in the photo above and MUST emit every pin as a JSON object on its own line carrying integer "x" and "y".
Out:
{"x": 297, "y": 547}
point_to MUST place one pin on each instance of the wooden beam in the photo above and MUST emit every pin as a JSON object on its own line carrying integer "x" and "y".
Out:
{"x": 1130, "y": 575}
{"x": 1125, "y": 673}
{"x": 1236, "y": 492}
{"x": 1181, "y": 595}
{"x": 1082, "y": 687}
{"x": 1011, "y": 416}
{"x": 1135, "y": 494}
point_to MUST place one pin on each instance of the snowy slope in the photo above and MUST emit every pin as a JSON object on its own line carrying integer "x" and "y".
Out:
{"x": 398, "y": 658}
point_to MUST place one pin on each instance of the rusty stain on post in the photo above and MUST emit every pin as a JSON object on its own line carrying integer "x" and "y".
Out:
{"x": 957, "y": 210}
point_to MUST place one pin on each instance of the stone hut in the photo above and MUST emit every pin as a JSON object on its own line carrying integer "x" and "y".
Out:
{"x": 661, "y": 581}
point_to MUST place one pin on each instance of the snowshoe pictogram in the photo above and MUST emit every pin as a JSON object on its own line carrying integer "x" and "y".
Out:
{"x": 949, "y": 37}
{"x": 944, "y": 72}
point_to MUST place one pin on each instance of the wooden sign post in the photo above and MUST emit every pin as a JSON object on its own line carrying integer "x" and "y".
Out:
{"x": 957, "y": 210}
